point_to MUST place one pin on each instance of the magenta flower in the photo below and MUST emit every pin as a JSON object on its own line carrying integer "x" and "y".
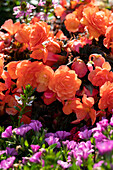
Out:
{"x": 104, "y": 123}
{"x": 71, "y": 145}
{"x": 62, "y": 134}
{"x": 64, "y": 164}
{"x": 7, "y": 133}
{"x": 8, "y": 163}
{"x": 105, "y": 147}
{"x": 98, "y": 128}
{"x": 11, "y": 151}
{"x": 22, "y": 130}
{"x": 35, "y": 125}
{"x": 111, "y": 121}
{"x": 97, "y": 165}
{"x": 2, "y": 152}
{"x": 99, "y": 137}
{"x": 26, "y": 11}
{"x": 81, "y": 151}
{"x": 52, "y": 140}
{"x": 49, "y": 134}
{"x": 35, "y": 147}
{"x": 36, "y": 157}
{"x": 41, "y": 3}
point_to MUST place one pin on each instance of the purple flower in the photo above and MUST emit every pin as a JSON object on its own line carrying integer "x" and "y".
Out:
{"x": 8, "y": 163}
{"x": 81, "y": 151}
{"x": 49, "y": 134}
{"x": 98, "y": 128}
{"x": 86, "y": 149}
{"x": 11, "y": 151}
{"x": 35, "y": 147}
{"x": 105, "y": 147}
{"x": 86, "y": 134}
{"x": 64, "y": 164}
{"x": 26, "y": 11}
{"x": 104, "y": 123}
{"x": 7, "y": 133}
{"x": 42, "y": 16}
{"x": 25, "y": 160}
{"x": 35, "y": 125}
{"x": 99, "y": 137}
{"x": 36, "y": 157}
{"x": 62, "y": 134}
{"x": 65, "y": 142}
{"x": 71, "y": 145}
{"x": 52, "y": 140}
{"x": 78, "y": 161}
{"x": 22, "y": 130}
{"x": 96, "y": 165}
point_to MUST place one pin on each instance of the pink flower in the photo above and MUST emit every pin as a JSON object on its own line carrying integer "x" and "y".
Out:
{"x": 80, "y": 68}
{"x": 35, "y": 147}
{"x": 64, "y": 164}
{"x": 7, "y": 133}
{"x": 36, "y": 157}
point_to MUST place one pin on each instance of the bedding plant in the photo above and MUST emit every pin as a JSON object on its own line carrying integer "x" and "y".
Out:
{"x": 56, "y": 86}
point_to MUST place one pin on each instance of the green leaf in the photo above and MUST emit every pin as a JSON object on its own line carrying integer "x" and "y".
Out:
{"x": 52, "y": 146}
{"x": 17, "y": 108}
{"x": 26, "y": 167}
{"x": 26, "y": 143}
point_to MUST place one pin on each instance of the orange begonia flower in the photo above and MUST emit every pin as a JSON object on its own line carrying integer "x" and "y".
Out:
{"x": 71, "y": 22}
{"x": 43, "y": 78}
{"x": 99, "y": 76}
{"x": 23, "y": 33}
{"x": 10, "y": 27}
{"x": 59, "y": 10}
{"x": 2, "y": 86}
{"x": 96, "y": 20}
{"x": 1, "y": 63}
{"x": 82, "y": 110}
{"x": 35, "y": 73}
{"x": 40, "y": 53}
{"x": 85, "y": 110}
{"x": 60, "y": 35}
{"x": 108, "y": 41}
{"x": 63, "y": 3}
{"x": 8, "y": 82}
{"x": 65, "y": 83}
{"x": 97, "y": 59}
{"x": 39, "y": 34}
{"x": 72, "y": 105}
{"x": 78, "y": 12}
{"x": 53, "y": 46}
{"x": 106, "y": 93}
{"x": 73, "y": 3}
{"x": 11, "y": 68}
{"x": 11, "y": 102}
{"x": 54, "y": 59}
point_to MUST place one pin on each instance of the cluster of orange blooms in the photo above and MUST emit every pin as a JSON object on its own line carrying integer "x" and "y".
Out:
{"x": 63, "y": 83}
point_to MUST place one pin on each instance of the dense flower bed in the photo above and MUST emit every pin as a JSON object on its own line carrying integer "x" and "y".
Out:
{"x": 56, "y": 86}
